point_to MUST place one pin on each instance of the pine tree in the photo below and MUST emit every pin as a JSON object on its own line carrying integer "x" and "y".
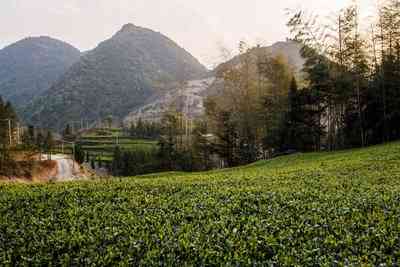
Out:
{"x": 169, "y": 146}
{"x": 79, "y": 154}
{"x": 293, "y": 118}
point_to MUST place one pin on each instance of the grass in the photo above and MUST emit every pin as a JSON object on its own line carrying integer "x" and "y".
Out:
{"x": 111, "y": 148}
{"x": 101, "y": 143}
{"x": 105, "y": 150}
{"x": 315, "y": 209}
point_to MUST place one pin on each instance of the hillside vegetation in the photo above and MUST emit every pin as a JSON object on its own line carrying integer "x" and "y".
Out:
{"x": 304, "y": 209}
{"x": 117, "y": 76}
{"x": 30, "y": 66}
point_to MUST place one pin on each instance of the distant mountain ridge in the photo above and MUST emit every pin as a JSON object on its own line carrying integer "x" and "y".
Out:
{"x": 29, "y": 67}
{"x": 290, "y": 50}
{"x": 119, "y": 75}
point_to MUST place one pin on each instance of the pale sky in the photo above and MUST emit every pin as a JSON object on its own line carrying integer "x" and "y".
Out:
{"x": 200, "y": 26}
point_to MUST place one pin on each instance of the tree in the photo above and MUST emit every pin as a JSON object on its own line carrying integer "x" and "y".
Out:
{"x": 79, "y": 154}
{"x": 293, "y": 119}
{"x": 48, "y": 143}
{"x": 202, "y": 147}
{"x": 93, "y": 164}
{"x": 168, "y": 142}
{"x": 117, "y": 163}
{"x": 40, "y": 140}
{"x": 87, "y": 156}
{"x": 67, "y": 133}
{"x": 226, "y": 144}
{"x": 279, "y": 78}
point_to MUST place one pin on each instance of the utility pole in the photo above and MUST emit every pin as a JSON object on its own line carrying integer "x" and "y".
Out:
{"x": 9, "y": 131}
{"x": 73, "y": 156}
{"x": 18, "y": 134}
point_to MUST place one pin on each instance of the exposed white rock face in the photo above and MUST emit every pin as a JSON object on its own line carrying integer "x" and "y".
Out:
{"x": 187, "y": 99}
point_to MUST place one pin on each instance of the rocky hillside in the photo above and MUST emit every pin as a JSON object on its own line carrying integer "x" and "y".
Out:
{"x": 118, "y": 76}
{"x": 189, "y": 98}
{"x": 29, "y": 67}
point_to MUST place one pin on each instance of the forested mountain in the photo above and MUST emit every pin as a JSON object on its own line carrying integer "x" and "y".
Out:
{"x": 29, "y": 67}
{"x": 257, "y": 59}
{"x": 119, "y": 75}
{"x": 188, "y": 97}
{"x": 289, "y": 50}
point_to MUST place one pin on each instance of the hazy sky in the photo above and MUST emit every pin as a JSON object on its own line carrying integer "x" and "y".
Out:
{"x": 200, "y": 26}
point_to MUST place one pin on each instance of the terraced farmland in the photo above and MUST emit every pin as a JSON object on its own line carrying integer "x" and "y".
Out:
{"x": 315, "y": 209}
{"x": 104, "y": 145}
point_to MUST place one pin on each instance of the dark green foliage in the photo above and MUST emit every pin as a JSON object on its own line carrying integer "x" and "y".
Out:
{"x": 92, "y": 164}
{"x": 356, "y": 89}
{"x": 170, "y": 140}
{"x": 136, "y": 162}
{"x": 294, "y": 119}
{"x": 180, "y": 148}
{"x": 67, "y": 133}
{"x": 49, "y": 141}
{"x": 117, "y": 163}
{"x": 28, "y": 138}
{"x": 6, "y": 113}
{"x": 79, "y": 154}
{"x": 145, "y": 130}
{"x": 226, "y": 146}
{"x": 40, "y": 140}
{"x": 8, "y": 121}
{"x": 202, "y": 147}
{"x": 99, "y": 162}
{"x": 300, "y": 129}
{"x": 318, "y": 209}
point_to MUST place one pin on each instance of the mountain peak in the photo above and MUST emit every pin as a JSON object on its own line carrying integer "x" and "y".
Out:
{"x": 29, "y": 66}
{"x": 129, "y": 27}
{"x": 123, "y": 72}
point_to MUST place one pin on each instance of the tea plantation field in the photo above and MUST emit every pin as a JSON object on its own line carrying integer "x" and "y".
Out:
{"x": 316, "y": 209}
